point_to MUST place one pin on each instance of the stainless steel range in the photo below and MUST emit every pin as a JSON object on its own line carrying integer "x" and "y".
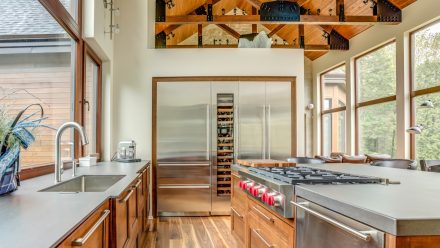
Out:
{"x": 274, "y": 186}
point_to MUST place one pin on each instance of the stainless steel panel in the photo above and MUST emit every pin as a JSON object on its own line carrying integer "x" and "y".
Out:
{"x": 180, "y": 173}
{"x": 183, "y": 121}
{"x": 318, "y": 227}
{"x": 251, "y": 116}
{"x": 221, "y": 204}
{"x": 184, "y": 198}
{"x": 278, "y": 120}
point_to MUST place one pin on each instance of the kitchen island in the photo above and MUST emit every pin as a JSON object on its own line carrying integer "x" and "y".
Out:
{"x": 30, "y": 218}
{"x": 405, "y": 211}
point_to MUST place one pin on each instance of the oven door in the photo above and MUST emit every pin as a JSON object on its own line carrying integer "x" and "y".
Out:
{"x": 318, "y": 227}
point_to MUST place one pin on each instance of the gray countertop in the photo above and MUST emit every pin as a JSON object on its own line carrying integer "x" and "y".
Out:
{"x": 29, "y": 218}
{"x": 409, "y": 208}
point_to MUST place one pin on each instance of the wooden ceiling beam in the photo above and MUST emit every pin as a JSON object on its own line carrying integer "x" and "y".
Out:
{"x": 255, "y": 3}
{"x": 276, "y": 29}
{"x": 255, "y": 19}
{"x": 308, "y": 48}
{"x": 229, "y": 30}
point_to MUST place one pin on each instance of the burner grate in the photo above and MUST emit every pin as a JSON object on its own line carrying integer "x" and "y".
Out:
{"x": 306, "y": 175}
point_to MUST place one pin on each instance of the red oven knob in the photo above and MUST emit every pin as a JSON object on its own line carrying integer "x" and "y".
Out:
{"x": 265, "y": 197}
{"x": 271, "y": 200}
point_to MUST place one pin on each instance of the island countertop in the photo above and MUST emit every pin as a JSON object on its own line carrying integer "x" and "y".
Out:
{"x": 410, "y": 208}
{"x": 43, "y": 219}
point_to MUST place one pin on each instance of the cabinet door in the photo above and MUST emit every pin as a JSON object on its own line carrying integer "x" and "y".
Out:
{"x": 146, "y": 176}
{"x": 122, "y": 226}
{"x": 251, "y": 118}
{"x": 94, "y": 232}
{"x": 279, "y": 120}
{"x": 238, "y": 227}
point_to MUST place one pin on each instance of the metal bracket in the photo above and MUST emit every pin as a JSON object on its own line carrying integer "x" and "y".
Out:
{"x": 337, "y": 41}
{"x": 200, "y": 42}
{"x": 160, "y": 11}
{"x": 201, "y": 10}
{"x": 302, "y": 42}
{"x": 341, "y": 13}
{"x": 161, "y": 40}
{"x": 387, "y": 12}
{"x": 280, "y": 11}
{"x": 209, "y": 17}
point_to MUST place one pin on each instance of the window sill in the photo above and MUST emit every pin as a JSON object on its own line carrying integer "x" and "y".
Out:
{"x": 41, "y": 170}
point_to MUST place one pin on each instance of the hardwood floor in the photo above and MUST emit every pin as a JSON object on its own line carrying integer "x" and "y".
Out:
{"x": 189, "y": 232}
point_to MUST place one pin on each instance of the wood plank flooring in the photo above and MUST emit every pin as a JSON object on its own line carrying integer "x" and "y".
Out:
{"x": 192, "y": 232}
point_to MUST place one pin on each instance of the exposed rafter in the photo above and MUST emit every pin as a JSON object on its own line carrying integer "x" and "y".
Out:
{"x": 229, "y": 30}
{"x": 276, "y": 29}
{"x": 255, "y": 19}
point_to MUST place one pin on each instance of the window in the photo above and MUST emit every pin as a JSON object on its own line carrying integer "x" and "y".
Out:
{"x": 39, "y": 64}
{"x": 425, "y": 54}
{"x": 91, "y": 106}
{"x": 333, "y": 117}
{"x": 376, "y": 101}
{"x": 72, "y": 7}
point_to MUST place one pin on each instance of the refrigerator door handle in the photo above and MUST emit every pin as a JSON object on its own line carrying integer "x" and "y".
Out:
{"x": 171, "y": 186}
{"x": 208, "y": 133}
{"x": 236, "y": 131}
{"x": 268, "y": 130}
{"x": 181, "y": 164}
{"x": 264, "y": 133}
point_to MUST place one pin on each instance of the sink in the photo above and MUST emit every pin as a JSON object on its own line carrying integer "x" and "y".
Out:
{"x": 85, "y": 183}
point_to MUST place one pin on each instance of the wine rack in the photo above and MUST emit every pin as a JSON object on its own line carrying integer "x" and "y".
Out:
{"x": 225, "y": 142}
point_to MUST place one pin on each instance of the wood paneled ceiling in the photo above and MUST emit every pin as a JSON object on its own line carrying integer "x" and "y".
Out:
{"x": 186, "y": 27}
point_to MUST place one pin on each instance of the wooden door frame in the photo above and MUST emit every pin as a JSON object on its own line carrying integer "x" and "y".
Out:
{"x": 157, "y": 80}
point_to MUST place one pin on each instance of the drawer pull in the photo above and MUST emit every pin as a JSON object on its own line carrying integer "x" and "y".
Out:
{"x": 138, "y": 183}
{"x": 262, "y": 239}
{"x": 127, "y": 196}
{"x": 263, "y": 215}
{"x": 236, "y": 175}
{"x": 236, "y": 213}
{"x": 83, "y": 240}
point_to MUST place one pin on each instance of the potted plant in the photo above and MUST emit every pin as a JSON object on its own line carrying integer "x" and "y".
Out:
{"x": 16, "y": 132}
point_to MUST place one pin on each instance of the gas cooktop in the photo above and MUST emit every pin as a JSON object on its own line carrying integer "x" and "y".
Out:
{"x": 275, "y": 186}
{"x": 306, "y": 175}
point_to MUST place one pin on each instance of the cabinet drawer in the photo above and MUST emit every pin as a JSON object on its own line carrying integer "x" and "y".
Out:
{"x": 263, "y": 235}
{"x": 238, "y": 226}
{"x": 238, "y": 196}
{"x": 93, "y": 232}
{"x": 272, "y": 223}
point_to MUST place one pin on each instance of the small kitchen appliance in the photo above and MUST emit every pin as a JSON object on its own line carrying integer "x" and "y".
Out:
{"x": 127, "y": 152}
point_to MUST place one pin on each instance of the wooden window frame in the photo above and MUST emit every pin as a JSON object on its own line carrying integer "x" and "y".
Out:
{"x": 369, "y": 102}
{"x": 413, "y": 92}
{"x": 73, "y": 28}
{"x": 331, "y": 110}
{"x": 88, "y": 52}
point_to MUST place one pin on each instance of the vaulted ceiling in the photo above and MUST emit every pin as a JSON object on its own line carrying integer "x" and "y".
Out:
{"x": 184, "y": 26}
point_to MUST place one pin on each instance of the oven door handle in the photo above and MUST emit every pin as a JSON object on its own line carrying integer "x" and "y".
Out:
{"x": 359, "y": 234}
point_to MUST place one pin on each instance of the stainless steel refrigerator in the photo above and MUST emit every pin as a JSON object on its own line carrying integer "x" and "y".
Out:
{"x": 190, "y": 161}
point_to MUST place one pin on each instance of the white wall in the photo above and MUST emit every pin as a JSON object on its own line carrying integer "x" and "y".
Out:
{"x": 414, "y": 16}
{"x": 135, "y": 65}
{"x": 96, "y": 20}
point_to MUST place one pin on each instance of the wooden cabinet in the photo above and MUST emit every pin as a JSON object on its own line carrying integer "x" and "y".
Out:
{"x": 144, "y": 207}
{"x": 130, "y": 212}
{"x": 124, "y": 218}
{"x": 255, "y": 226}
{"x": 238, "y": 225}
{"x": 121, "y": 222}
{"x": 93, "y": 232}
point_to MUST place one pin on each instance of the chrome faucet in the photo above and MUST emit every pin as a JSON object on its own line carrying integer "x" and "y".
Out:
{"x": 58, "y": 162}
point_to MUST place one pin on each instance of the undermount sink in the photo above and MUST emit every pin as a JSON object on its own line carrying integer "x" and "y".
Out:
{"x": 85, "y": 183}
